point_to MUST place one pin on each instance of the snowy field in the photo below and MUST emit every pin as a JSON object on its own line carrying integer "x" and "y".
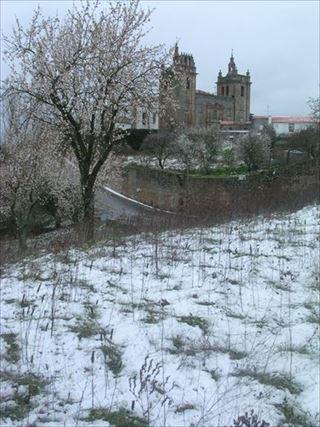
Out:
{"x": 184, "y": 328}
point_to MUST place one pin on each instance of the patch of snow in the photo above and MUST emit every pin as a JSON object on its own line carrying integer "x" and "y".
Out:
{"x": 200, "y": 325}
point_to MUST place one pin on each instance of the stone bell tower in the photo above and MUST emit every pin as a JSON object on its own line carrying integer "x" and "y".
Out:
{"x": 185, "y": 69}
{"x": 237, "y": 87}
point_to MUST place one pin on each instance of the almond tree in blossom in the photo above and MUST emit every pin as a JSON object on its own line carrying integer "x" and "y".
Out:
{"x": 91, "y": 70}
{"x": 32, "y": 180}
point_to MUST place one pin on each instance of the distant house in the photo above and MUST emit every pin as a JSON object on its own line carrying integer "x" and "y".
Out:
{"x": 282, "y": 125}
{"x": 146, "y": 119}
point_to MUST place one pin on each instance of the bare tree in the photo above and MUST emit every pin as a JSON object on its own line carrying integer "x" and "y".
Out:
{"x": 270, "y": 132}
{"x": 90, "y": 70}
{"x": 307, "y": 140}
{"x": 254, "y": 150}
{"x": 160, "y": 146}
{"x": 185, "y": 151}
{"x": 314, "y": 105}
{"x": 32, "y": 179}
{"x": 199, "y": 147}
{"x": 208, "y": 144}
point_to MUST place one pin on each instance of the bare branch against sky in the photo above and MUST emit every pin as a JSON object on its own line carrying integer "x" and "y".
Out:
{"x": 278, "y": 41}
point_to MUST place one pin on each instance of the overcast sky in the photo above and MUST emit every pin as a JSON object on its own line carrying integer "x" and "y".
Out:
{"x": 278, "y": 41}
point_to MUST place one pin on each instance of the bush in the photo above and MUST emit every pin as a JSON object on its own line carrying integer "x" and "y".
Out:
{"x": 307, "y": 140}
{"x": 228, "y": 157}
{"x": 135, "y": 137}
{"x": 254, "y": 150}
{"x": 160, "y": 145}
{"x": 199, "y": 145}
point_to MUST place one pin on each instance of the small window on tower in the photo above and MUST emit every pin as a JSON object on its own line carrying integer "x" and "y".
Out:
{"x": 227, "y": 90}
{"x": 188, "y": 83}
{"x": 242, "y": 91}
{"x": 222, "y": 91}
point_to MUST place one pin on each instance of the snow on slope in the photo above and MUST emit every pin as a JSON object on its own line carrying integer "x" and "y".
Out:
{"x": 187, "y": 328}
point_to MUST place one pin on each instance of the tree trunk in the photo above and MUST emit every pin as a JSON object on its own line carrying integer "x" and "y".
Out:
{"x": 22, "y": 239}
{"x": 160, "y": 164}
{"x": 88, "y": 179}
{"x": 88, "y": 210}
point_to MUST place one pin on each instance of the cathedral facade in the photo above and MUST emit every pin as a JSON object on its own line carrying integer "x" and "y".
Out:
{"x": 199, "y": 108}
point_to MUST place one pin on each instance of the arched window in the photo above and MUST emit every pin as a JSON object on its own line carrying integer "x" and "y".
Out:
{"x": 227, "y": 90}
{"x": 242, "y": 91}
{"x": 188, "y": 83}
{"x": 222, "y": 91}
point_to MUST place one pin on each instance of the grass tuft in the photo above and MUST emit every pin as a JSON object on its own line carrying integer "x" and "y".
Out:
{"x": 178, "y": 345}
{"x": 293, "y": 416}
{"x": 88, "y": 326}
{"x": 301, "y": 349}
{"x": 86, "y": 329}
{"x": 113, "y": 358}
{"x": 192, "y": 320}
{"x": 120, "y": 418}
{"x": 21, "y": 403}
{"x": 12, "y": 348}
{"x": 214, "y": 374}
{"x": 183, "y": 407}
{"x": 278, "y": 380}
{"x": 314, "y": 317}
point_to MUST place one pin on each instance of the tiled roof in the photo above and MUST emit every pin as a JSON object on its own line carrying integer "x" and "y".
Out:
{"x": 231, "y": 122}
{"x": 286, "y": 119}
{"x": 202, "y": 92}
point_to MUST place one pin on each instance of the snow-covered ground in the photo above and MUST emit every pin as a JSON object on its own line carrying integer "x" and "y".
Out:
{"x": 184, "y": 328}
{"x": 148, "y": 160}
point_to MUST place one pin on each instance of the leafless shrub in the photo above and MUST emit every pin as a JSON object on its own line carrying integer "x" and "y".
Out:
{"x": 160, "y": 146}
{"x": 249, "y": 420}
{"x": 199, "y": 146}
{"x": 149, "y": 388}
{"x": 254, "y": 150}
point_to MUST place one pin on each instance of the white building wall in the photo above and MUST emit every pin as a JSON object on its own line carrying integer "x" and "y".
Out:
{"x": 289, "y": 127}
{"x": 281, "y": 128}
{"x": 283, "y": 125}
{"x": 146, "y": 119}
{"x": 301, "y": 126}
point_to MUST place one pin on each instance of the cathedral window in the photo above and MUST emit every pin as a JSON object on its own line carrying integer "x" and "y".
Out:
{"x": 188, "y": 83}
{"x": 227, "y": 91}
{"x": 242, "y": 91}
{"x": 222, "y": 91}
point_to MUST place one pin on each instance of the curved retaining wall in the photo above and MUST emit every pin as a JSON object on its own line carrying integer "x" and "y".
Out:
{"x": 224, "y": 196}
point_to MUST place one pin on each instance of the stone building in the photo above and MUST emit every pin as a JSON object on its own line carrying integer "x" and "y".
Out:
{"x": 283, "y": 125}
{"x": 199, "y": 108}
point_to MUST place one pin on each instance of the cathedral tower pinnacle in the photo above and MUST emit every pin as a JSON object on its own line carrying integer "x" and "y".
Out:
{"x": 237, "y": 87}
{"x": 232, "y": 69}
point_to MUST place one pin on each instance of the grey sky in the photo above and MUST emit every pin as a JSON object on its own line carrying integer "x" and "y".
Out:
{"x": 278, "y": 41}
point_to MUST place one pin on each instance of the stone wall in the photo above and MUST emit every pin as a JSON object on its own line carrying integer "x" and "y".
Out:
{"x": 221, "y": 197}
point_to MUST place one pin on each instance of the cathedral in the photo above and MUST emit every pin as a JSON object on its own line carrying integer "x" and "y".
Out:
{"x": 231, "y": 104}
